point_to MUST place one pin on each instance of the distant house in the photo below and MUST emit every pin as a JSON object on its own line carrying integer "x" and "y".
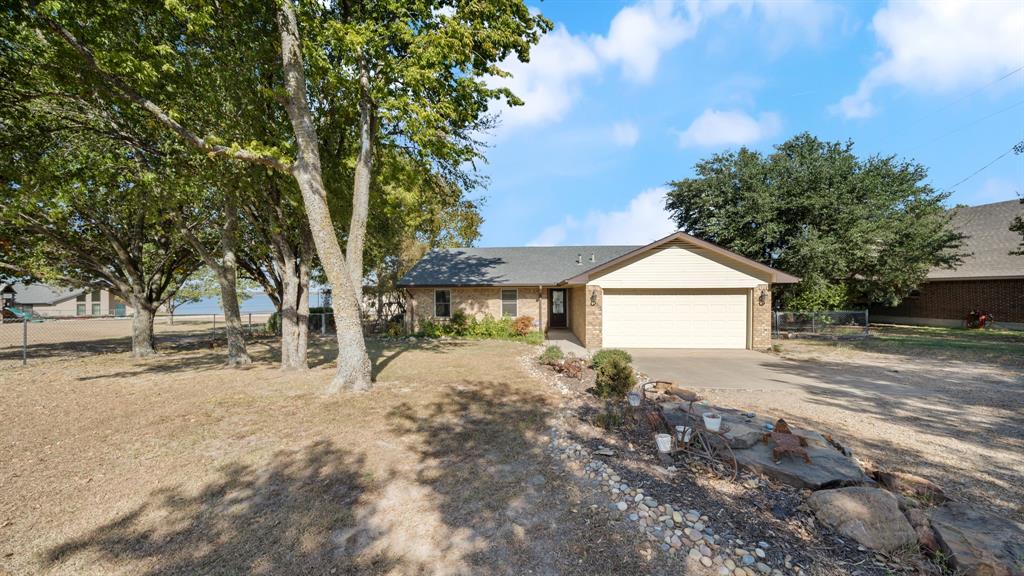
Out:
{"x": 990, "y": 279}
{"x": 677, "y": 292}
{"x": 46, "y": 300}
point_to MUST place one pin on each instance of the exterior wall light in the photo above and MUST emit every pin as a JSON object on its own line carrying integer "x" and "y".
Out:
{"x": 593, "y": 297}
{"x": 762, "y": 298}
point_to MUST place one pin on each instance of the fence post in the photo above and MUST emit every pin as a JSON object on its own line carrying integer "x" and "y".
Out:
{"x": 867, "y": 323}
{"x": 24, "y": 341}
{"x": 215, "y": 321}
{"x": 323, "y": 323}
{"x": 250, "y": 321}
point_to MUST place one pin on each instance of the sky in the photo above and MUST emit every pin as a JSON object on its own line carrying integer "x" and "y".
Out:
{"x": 622, "y": 98}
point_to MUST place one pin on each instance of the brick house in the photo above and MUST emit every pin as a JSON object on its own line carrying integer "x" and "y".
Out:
{"x": 677, "y": 292}
{"x": 990, "y": 279}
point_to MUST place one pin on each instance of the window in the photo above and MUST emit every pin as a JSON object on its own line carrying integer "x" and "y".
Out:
{"x": 95, "y": 308}
{"x": 510, "y": 302}
{"x": 80, "y": 309}
{"x": 81, "y": 297}
{"x": 442, "y": 303}
{"x": 95, "y": 295}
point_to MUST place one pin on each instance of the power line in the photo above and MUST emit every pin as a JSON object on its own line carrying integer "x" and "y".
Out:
{"x": 1017, "y": 148}
{"x": 968, "y": 95}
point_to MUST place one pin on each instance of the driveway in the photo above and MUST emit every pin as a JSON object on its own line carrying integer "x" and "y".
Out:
{"x": 718, "y": 369}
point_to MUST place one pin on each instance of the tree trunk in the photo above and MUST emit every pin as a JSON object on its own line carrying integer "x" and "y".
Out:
{"x": 142, "y": 328}
{"x": 353, "y": 362}
{"x": 227, "y": 277}
{"x": 291, "y": 358}
{"x": 302, "y": 339}
{"x": 361, "y": 187}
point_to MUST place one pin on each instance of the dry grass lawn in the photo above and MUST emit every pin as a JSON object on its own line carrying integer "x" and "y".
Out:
{"x": 175, "y": 465}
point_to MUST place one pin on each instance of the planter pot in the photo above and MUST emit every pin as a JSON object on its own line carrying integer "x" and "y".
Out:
{"x": 683, "y": 434}
{"x": 664, "y": 442}
{"x": 633, "y": 398}
{"x": 712, "y": 421}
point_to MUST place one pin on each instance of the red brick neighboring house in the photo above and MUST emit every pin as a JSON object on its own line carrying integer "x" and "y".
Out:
{"x": 990, "y": 279}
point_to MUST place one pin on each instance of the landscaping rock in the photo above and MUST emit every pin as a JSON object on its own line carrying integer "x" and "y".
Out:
{"x": 911, "y": 485}
{"x": 870, "y": 516}
{"x": 979, "y": 543}
{"x": 828, "y": 467}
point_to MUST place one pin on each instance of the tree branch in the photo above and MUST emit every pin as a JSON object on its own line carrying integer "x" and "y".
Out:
{"x": 162, "y": 117}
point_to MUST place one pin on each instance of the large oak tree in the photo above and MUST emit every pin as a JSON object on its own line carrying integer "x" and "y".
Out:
{"x": 854, "y": 229}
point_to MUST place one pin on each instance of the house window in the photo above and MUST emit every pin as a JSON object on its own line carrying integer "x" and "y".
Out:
{"x": 80, "y": 309}
{"x": 442, "y": 303}
{"x": 95, "y": 295}
{"x": 81, "y": 297}
{"x": 95, "y": 308}
{"x": 510, "y": 302}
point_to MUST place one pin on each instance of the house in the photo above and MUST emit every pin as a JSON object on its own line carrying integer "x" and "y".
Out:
{"x": 53, "y": 301}
{"x": 990, "y": 279}
{"x": 677, "y": 292}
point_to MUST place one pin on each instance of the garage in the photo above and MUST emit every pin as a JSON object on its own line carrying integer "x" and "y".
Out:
{"x": 675, "y": 319}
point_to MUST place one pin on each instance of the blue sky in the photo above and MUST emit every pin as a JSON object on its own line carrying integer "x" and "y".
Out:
{"x": 623, "y": 97}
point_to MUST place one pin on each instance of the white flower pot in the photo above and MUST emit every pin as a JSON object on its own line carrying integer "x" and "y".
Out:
{"x": 712, "y": 421}
{"x": 683, "y": 434}
{"x": 633, "y": 398}
{"x": 664, "y": 442}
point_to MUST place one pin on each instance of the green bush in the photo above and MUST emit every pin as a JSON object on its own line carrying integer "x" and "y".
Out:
{"x": 458, "y": 324}
{"x": 603, "y": 356}
{"x": 551, "y": 355}
{"x": 614, "y": 378}
{"x": 461, "y": 325}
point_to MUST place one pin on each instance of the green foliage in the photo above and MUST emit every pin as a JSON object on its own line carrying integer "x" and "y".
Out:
{"x": 1018, "y": 226}
{"x": 461, "y": 325}
{"x": 817, "y": 295}
{"x": 614, "y": 379}
{"x": 551, "y": 355}
{"x": 602, "y": 357}
{"x": 814, "y": 209}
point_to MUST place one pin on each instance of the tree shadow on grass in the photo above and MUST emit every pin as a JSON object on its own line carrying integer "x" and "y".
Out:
{"x": 296, "y": 515}
{"x": 481, "y": 452}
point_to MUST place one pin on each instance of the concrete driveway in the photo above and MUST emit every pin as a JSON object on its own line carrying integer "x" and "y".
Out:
{"x": 718, "y": 369}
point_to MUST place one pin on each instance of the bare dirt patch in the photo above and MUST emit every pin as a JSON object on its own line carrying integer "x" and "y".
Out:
{"x": 175, "y": 465}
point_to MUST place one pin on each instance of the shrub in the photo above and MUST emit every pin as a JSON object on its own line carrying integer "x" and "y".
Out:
{"x": 603, "y": 356}
{"x": 458, "y": 324}
{"x": 572, "y": 366}
{"x": 431, "y": 329}
{"x": 551, "y": 355}
{"x": 614, "y": 378}
{"x": 395, "y": 330}
{"x": 522, "y": 325}
{"x": 608, "y": 420}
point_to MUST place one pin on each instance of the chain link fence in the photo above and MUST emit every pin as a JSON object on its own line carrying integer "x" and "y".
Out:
{"x": 828, "y": 324}
{"x": 34, "y": 337}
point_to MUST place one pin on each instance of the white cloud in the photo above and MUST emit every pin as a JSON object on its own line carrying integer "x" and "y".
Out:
{"x": 625, "y": 134}
{"x": 729, "y": 128}
{"x": 643, "y": 221}
{"x": 639, "y": 34}
{"x": 993, "y": 189}
{"x": 934, "y": 46}
{"x": 548, "y": 83}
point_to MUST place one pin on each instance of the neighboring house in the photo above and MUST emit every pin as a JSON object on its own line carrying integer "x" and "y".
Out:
{"x": 677, "y": 292}
{"x": 46, "y": 300}
{"x": 990, "y": 279}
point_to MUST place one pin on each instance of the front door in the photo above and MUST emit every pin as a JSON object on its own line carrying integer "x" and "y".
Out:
{"x": 557, "y": 308}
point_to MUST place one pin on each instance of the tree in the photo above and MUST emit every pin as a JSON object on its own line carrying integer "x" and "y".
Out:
{"x": 1018, "y": 226}
{"x": 197, "y": 287}
{"x": 129, "y": 49}
{"x": 855, "y": 230}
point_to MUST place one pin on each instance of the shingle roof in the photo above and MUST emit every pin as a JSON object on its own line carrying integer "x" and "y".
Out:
{"x": 42, "y": 294}
{"x": 521, "y": 266}
{"x": 989, "y": 242}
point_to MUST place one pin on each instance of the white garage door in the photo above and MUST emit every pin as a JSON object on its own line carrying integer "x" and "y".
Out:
{"x": 674, "y": 320}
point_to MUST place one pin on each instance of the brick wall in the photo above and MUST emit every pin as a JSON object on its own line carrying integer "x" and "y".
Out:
{"x": 593, "y": 324}
{"x": 761, "y": 322}
{"x": 954, "y": 299}
{"x": 477, "y": 302}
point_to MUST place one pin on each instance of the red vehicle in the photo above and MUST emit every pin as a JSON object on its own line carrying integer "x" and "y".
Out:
{"x": 979, "y": 319}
